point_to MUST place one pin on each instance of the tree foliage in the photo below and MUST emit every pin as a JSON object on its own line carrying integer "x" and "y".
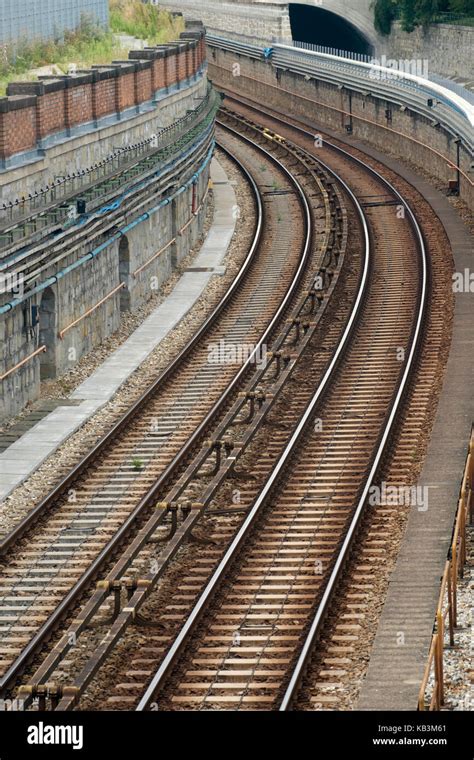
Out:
{"x": 462, "y": 6}
{"x": 384, "y": 13}
{"x": 413, "y": 13}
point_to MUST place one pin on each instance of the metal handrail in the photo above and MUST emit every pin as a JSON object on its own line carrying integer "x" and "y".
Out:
{"x": 447, "y": 600}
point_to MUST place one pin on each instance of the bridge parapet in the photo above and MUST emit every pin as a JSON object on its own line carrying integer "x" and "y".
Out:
{"x": 35, "y": 116}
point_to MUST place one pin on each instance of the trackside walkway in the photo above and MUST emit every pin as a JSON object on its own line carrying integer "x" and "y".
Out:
{"x": 25, "y": 455}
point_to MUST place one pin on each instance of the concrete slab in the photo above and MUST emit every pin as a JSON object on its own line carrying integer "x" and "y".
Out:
{"x": 23, "y": 457}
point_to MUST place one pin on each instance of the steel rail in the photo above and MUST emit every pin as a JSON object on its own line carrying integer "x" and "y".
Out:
{"x": 185, "y": 632}
{"x": 45, "y": 504}
{"x": 344, "y": 552}
{"x": 38, "y": 511}
{"x": 323, "y": 606}
{"x": 93, "y": 604}
{"x": 113, "y": 544}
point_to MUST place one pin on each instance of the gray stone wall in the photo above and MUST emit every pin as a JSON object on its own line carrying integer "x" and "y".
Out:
{"x": 447, "y": 48}
{"x": 83, "y": 288}
{"x": 22, "y": 386}
{"x": 262, "y": 21}
{"x": 79, "y": 291}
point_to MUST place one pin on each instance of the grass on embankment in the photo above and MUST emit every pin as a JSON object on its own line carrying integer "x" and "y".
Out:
{"x": 147, "y": 22}
{"x": 89, "y": 43}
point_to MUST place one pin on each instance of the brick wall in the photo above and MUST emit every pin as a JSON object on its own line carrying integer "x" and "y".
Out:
{"x": 17, "y": 125}
{"x": 159, "y": 74}
{"x": 78, "y": 101}
{"x": 143, "y": 83}
{"x": 125, "y": 89}
{"x": 172, "y": 67}
{"x": 103, "y": 92}
{"x": 50, "y": 104}
{"x": 50, "y": 113}
{"x": 182, "y": 67}
{"x": 33, "y": 111}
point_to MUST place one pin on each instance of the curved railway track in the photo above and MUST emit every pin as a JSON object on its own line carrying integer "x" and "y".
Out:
{"x": 66, "y": 542}
{"x": 273, "y": 589}
{"x": 249, "y": 618}
{"x": 236, "y": 630}
{"x": 334, "y": 670}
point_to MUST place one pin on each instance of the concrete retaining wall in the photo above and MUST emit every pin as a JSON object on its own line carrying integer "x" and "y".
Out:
{"x": 76, "y": 296}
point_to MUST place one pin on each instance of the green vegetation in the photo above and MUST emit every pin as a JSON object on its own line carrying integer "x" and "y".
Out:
{"x": 85, "y": 45}
{"x": 144, "y": 21}
{"x": 384, "y": 13}
{"x": 88, "y": 43}
{"x": 413, "y": 13}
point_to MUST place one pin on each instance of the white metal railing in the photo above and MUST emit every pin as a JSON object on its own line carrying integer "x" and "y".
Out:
{"x": 362, "y": 58}
{"x": 322, "y": 49}
{"x": 436, "y": 102}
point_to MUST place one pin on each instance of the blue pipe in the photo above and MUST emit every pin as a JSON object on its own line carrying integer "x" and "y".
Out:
{"x": 9, "y": 261}
{"x": 118, "y": 201}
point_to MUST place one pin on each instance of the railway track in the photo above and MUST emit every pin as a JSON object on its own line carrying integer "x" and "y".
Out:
{"x": 68, "y": 538}
{"x": 248, "y": 639}
{"x": 251, "y": 627}
{"x": 236, "y": 630}
{"x": 336, "y": 668}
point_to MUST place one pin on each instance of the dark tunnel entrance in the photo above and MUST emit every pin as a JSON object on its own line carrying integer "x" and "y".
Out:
{"x": 321, "y": 27}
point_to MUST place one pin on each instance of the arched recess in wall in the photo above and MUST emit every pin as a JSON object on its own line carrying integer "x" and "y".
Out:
{"x": 321, "y": 27}
{"x": 124, "y": 272}
{"x": 47, "y": 334}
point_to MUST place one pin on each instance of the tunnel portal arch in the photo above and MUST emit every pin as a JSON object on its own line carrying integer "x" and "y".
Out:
{"x": 319, "y": 26}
